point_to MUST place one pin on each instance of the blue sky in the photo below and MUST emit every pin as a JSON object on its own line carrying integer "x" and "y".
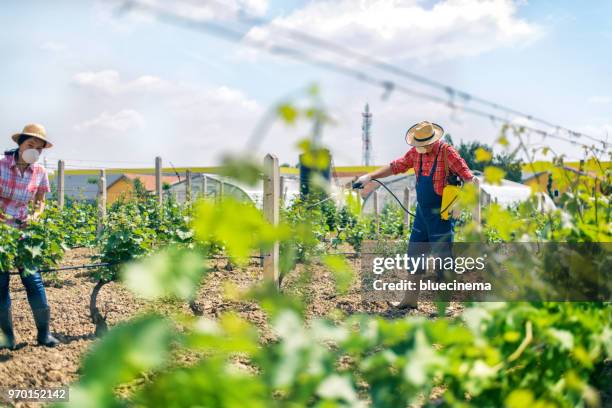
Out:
{"x": 119, "y": 91}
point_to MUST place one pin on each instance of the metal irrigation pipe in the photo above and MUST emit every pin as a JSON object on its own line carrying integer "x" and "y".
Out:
{"x": 103, "y": 264}
{"x": 67, "y": 268}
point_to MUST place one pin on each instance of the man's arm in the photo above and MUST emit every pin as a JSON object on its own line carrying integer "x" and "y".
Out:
{"x": 384, "y": 171}
{"x": 396, "y": 166}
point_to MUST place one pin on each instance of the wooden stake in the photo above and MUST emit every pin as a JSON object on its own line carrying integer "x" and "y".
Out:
{"x": 407, "y": 205}
{"x": 188, "y": 185}
{"x": 204, "y": 186}
{"x": 158, "y": 180}
{"x": 282, "y": 189}
{"x": 476, "y": 213}
{"x": 376, "y": 211}
{"x": 271, "y": 210}
{"x": 101, "y": 202}
{"x": 60, "y": 184}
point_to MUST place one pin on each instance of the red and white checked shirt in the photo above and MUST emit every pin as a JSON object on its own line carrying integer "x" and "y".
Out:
{"x": 17, "y": 190}
{"x": 412, "y": 160}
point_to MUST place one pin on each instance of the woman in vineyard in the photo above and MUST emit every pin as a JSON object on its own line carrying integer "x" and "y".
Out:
{"x": 23, "y": 181}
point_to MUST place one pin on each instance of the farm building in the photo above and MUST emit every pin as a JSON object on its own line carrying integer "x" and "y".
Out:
{"x": 547, "y": 181}
{"x": 80, "y": 186}
{"x": 123, "y": 186}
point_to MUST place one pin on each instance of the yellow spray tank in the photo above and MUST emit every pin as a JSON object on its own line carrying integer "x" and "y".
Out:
{"x": 450, "y": 194}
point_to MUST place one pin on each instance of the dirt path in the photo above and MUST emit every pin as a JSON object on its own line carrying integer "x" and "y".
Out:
{"x": 33, "y": 366}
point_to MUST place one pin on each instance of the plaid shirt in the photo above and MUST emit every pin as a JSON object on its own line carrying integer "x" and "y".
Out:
{"x": 17, "y": 190}
{"x": 412, "y": 160}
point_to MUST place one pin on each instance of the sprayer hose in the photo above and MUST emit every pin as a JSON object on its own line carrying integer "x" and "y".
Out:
{"x": 394, "y": 196}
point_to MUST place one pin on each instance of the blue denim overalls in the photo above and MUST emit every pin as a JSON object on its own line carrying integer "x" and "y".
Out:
{"x": 428, "y": 226}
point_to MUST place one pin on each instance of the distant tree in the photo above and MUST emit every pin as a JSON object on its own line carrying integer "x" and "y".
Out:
{"x": 506, "y": 161}
{"x": 511, "y": 165}
{"x": 139, "y": 188}
{"x": 285, "y": 165}
{"x": 468, "y": 152}
{"x": 448, "y": 139}
{"x": 92, "y": 180}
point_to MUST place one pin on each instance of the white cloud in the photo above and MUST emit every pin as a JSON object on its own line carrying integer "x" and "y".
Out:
{"x": 121, "y": 122}
{"x": 407, "y": 29}
{"x": 109, "y": 82}
{"x": 179, "y": 96}
{"x": 185, "y": 122}
{"x": 601, "y": 100}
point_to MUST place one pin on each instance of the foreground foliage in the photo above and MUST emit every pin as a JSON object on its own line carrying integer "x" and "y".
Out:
{"x": 517, "y": 354}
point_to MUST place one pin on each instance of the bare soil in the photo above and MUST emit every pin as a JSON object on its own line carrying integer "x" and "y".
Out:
{"x": 68, "y": 295}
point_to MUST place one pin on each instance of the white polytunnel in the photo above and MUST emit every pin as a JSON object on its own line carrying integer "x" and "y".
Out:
{"x": 214, "y": 183}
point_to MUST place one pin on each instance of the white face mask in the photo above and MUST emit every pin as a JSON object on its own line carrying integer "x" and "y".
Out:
{"x": 30, "y": 156}
{"x": 421, "y": 150}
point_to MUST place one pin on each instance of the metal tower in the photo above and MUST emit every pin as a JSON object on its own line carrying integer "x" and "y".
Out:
{"x": 366, "y": 140}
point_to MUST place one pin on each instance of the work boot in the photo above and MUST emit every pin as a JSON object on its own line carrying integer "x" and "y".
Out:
{"x": 41, "y": 318}
{"x": 411, "y": 297}
{"x": 6, "y": 329}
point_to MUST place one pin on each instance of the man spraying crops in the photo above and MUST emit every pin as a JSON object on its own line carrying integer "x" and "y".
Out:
{"x": 437, "y": 167}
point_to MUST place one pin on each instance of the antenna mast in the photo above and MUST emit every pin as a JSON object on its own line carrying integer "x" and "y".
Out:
{"x": 366, "y": 140}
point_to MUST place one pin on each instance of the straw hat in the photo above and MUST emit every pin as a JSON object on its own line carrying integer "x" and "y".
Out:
{"x": 423, "y": 134}
{"x": 34, "y": 130}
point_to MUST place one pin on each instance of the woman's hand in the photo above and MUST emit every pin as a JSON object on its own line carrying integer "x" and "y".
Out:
{"x": 35, "y": 216}
{"x": 4, "y": 217}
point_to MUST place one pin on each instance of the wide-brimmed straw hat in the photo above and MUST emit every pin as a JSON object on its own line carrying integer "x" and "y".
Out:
{"x": 34, "y": 130}
{"x": 424, "y": 133}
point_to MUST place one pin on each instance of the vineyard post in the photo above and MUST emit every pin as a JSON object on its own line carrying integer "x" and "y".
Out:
{"x": 158, "y": 179}
{"x": 204, "y": 185}
{"x": 101, "y": 202}
{"x": 407, "y": 205}
{"x": 271, "y": 210}
{"x": 376, "y": 211}
{"x": 282, "y": 189}
{"x": 188, "y": 185}
{"x": 476, "y": 213}
{"x": 221, "y": 188}
{"x": 60, "y": 184}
